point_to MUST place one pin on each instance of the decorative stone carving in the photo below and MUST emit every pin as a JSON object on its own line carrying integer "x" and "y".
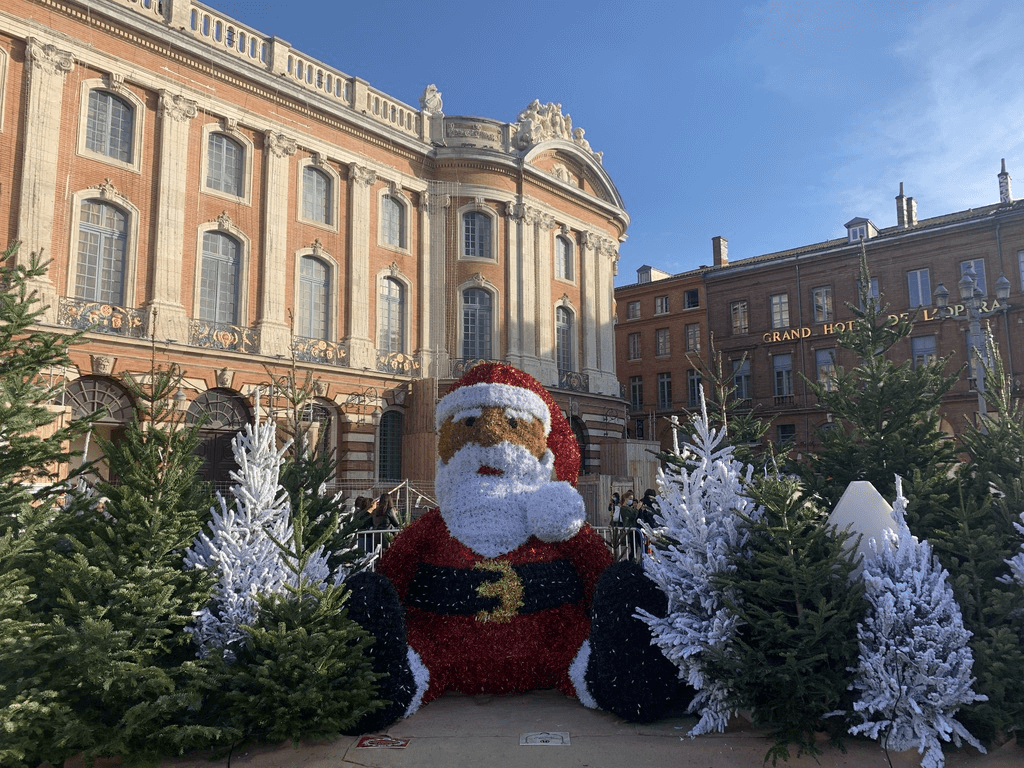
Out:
{"x": 224, "y": 377}
{"x": 362, "y": 175}
{"x": 224, "y": 222}
{"x": 49, "y": 58}
{"x": 544, "y": 122}
{"x": 280, "y": 145}
{"x": 230, "y": 124}
{"x": 115, "y": 81}
{"x": 102, "y": 365}
{"x": 565, "y": 301}
{"x": 317, "y": 246}
{"x": 317, "y": 159}
{"x": 107, "y": 189}
{"x": 430, "y": 100}
{"x": 177, "y": 107}
{"x": 320, "y": 387}
{"x": 561, "y": 172}
{"x": 478, "y": 279}
{"x": 395, "y": 271}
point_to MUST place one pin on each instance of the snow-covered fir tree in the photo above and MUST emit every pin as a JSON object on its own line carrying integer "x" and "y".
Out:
{"x": 241, "y": 548}
{"x": 698, "y": 528}
{"x": 914, "y": 669}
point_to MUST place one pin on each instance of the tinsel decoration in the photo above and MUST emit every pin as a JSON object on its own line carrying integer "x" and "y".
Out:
{"x": 627, "y": 675}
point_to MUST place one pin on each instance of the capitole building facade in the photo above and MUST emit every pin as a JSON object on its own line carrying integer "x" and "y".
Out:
{"x": 774, "y": 319}
{"x": 209, "y": 196}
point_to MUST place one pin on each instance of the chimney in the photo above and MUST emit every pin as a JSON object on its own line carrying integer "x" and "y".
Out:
{"x": 720, "y": 248}
{"x": 901, "y": 209}
{"x": 911, "y": 212}
{"x": 1005, "y": 190}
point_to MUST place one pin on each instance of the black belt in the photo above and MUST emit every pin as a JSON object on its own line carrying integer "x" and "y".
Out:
{"x": 494, "y": 590}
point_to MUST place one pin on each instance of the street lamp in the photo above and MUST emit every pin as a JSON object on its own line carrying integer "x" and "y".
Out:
{"x": 973, "y": 299}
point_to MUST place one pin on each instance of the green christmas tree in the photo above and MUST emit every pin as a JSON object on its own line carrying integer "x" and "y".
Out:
{"x": 116, "y": 598}
{"x": 32, "y": 456}
{"x": 798, "y": 611}
{"x": 886, "y": 419}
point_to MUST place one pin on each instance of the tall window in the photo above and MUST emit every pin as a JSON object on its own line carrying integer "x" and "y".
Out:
{"x": 923, "y": 350}
{"x": 477, "y": 316}
{"x": 636, "y": 392}
{"x": 476, "y": 234}
{"x": 102, "y": 239}
{"x": 314, "y": 286}
{"x": 822, "y": 300}
{"x": 392, "y": 316}
{"x": 225, "y": 164}
{"x": 661, "y": 346}
{"x": 780, "y": 310}
{"x": 740, "y": 317}
{"x": 783, "y": 368}
{"x": 633, "y": 353}
{"x": 741, "y": 379}
{"x": 693, "y": 388}
{"x": 109, "y": 126}
{"x": 392, "y": 221}
{"x": 979, "y": 272}
{"x": 691, "y": 299}
{"x": 661, "y": 305}
{"x": 316, "y": 195}
{"x": 563, "y": 339}
{"x": 825, "y": 366}
{"x": 633, "y": 307}
{"x": 873, "y": 292}
{"x": 665, "y": 391}
{"x": 218, "y": 291}
{"x": 389, "y": 465}
{"x": 919, "y": 288}
{"x": 693, "y": 338}
{"x": 563, "y": 258}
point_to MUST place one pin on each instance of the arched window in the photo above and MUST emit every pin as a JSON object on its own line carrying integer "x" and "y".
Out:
{"x": 320, "y": 414}
{"x": 102, "y": 238}
{"x": 476, "y": 324}
{"x": 109, "y": 126}
{"x": 563, "y": 339}
{"x": 314, "y": 284}
{"x": 392, "y": 316}
{"x": 392, "y": 221}
{"x": 563, "y": 258}
{"x": 317, "y": 197}
{"x": 91, "y": 393}
{"x": 218, "y": 291}
{"x": 221, "y": 414}
{"x": 389, "y": 454}
{"x": 225, "y": 164}
{"x": 476, "y": 230}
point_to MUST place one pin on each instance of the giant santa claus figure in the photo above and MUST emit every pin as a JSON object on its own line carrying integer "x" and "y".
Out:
{"x": 505, "y": 588}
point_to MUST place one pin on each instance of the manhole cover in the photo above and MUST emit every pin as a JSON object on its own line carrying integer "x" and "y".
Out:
{"x": 544, "y": 739}
{"x": 381, "y": 742}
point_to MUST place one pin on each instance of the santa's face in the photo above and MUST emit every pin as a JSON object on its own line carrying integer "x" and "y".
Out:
{"x": 492, "y": 462}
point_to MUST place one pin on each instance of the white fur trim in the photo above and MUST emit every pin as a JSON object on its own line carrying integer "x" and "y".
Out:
{"x": 556, "y": 512}
{"x": 493, "y": 395}
{"x": 421, "y": 675}
{"x": 577, "y": 676}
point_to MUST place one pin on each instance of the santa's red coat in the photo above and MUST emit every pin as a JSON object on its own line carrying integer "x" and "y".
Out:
{"x": 467, "y": 654}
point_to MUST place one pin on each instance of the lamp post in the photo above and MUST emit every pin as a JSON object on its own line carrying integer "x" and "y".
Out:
{"x": 973, "y": 302}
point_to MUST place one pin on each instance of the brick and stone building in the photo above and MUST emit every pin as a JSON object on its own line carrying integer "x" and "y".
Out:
{"x": 210, "y": 196}
{"x": 774, "y": 318}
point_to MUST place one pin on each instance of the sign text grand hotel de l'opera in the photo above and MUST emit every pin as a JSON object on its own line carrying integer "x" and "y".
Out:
{"x": 953, "y": 311}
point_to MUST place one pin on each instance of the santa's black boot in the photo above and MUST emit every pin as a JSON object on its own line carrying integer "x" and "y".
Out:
{"x": 373, "y": 604}
{"x": 627, "y": 675}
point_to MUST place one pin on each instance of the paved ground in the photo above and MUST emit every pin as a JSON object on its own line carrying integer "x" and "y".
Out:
{"x": 458, "y": 731}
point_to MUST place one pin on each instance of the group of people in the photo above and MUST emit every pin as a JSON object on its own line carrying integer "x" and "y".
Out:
{"x": 378, "y": 513}
{"x": 628, "y": 512}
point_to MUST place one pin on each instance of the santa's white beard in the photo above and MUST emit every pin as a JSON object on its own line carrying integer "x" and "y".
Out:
{"x": 494, "y": 514}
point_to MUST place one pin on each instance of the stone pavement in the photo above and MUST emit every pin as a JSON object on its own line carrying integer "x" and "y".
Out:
{"x": 457, "y": 731}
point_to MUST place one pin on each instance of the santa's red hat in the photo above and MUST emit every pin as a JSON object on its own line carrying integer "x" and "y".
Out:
{"x": 502, "y": 386}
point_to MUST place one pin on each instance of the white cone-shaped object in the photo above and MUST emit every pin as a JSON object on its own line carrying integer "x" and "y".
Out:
{"x": 867, "y": 514}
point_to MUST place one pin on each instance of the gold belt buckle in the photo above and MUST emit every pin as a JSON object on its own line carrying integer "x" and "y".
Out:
{"x": 509, "y": 589}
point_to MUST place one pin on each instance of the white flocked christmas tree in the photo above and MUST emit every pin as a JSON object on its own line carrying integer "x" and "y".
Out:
{"x": 700, "y": 529}
{"x": 914, "y": 670}
{"x": 1016, "y": 562}
{"x": 240, "y": 546}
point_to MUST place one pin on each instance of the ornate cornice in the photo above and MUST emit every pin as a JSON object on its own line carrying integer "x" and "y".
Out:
{"x": 176, "y": 107}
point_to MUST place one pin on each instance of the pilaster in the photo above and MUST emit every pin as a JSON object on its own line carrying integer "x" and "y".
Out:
{"x": 275, "y": 335}
{"x": 513, "y": 267}
{"x": 431, "y": 295}
{"x": 591, "y": 301}
{"x": 44, "y": 74}
{"x": 361, "y": 350}
{"x": 545, "y": 311}
{"x": 175, "y": 113}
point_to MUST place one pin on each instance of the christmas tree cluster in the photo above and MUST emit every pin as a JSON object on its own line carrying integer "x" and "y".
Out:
{"x": 139, "y": 618}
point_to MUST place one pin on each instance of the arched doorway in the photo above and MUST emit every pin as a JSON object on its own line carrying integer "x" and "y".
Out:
{"x": 86, "y": 396}
{"x": 221, "y": 415}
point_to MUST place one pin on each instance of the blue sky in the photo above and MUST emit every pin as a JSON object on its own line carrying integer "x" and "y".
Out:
{"x": 768, "y": 123}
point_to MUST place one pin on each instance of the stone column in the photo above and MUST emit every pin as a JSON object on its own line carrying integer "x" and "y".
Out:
{"x": 513, "y": 267}
{"x": 272, "y": 322}
{"x": 433, "y": 280}
{"x": 171, "y": 319}
{"x": 548, "y": 367}
{"x": 527, "y": 299}
{"x": 44, "y": 75}
{"x": 430, "y": 262}
{"x": 362, "y": 353}
{"x": 607, "y": 260}
{"x": 590, "y": 300}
